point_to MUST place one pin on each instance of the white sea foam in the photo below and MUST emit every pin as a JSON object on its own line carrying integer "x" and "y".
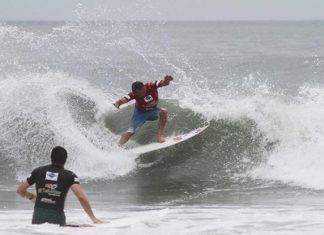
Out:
{"x": 294, "y": 123}
{"x": 179, "y": 220}
{"x": 35, "y": 114}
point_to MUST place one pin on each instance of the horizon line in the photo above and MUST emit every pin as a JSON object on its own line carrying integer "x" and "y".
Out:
{"x": 155, "y": 20}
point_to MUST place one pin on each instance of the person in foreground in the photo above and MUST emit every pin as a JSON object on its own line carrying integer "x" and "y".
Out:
{"x": 147, "y": 99}
{"x": 52, "y": 185}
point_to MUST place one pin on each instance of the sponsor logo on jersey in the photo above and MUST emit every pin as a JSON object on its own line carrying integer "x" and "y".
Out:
{"x": 51, "y": 176}
{"x": 47, "y": 200}
{"x": 51, "y": 186}
{"x": 148, "y": 98}
{"x": 50, "y": 189}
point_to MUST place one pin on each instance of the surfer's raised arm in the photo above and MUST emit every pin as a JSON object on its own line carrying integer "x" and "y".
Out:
{"x": 166, "y": 81}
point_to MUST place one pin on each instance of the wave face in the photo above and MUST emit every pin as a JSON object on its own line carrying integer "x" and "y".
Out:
{"x": 266, "y": 124}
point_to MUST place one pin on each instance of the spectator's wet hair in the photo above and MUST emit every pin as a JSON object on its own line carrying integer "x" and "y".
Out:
{"x": 59, "y": 155}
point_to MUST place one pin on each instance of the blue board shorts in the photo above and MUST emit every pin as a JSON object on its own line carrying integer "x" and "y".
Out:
{"x": 139, "y": 118}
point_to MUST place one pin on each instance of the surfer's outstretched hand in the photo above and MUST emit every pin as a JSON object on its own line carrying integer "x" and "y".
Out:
{"x": 116, "y": 105}
{"x": 167, "y": 79}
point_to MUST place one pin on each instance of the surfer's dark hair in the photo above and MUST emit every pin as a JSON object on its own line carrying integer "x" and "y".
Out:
{"x": 58, "y": 155}
{"x": 137, "y": 86}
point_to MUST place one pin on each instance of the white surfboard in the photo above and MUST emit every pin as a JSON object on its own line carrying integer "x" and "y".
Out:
{"x": 169, "y": 141}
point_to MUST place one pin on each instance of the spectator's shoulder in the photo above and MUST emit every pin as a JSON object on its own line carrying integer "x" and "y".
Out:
{"x": 71, "y": 173}
{"x": 73, "y": 177}
{"x": 41, "y": 168}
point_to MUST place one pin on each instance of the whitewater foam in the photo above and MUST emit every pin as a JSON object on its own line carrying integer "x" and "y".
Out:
{"x": 35, "y": 116}
{"x": 294, "y": 123}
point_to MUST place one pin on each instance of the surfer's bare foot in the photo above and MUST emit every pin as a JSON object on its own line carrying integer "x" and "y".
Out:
{"x": 160, "y": 139}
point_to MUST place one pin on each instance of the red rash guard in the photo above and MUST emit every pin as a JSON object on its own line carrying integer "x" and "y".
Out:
{"x": 150, "y": 99}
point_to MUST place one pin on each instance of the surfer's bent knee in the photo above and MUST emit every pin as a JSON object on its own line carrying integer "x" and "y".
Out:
{"x": 130, "y": 132}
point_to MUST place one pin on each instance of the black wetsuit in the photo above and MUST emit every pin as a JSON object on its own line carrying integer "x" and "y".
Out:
{"x": 52, "y": 185}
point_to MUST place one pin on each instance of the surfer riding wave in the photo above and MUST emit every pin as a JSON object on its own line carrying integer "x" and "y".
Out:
{"x": 147, "y": 99}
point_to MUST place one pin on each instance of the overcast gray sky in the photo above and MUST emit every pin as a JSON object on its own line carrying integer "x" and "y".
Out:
{"x": 162, "y": 9}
